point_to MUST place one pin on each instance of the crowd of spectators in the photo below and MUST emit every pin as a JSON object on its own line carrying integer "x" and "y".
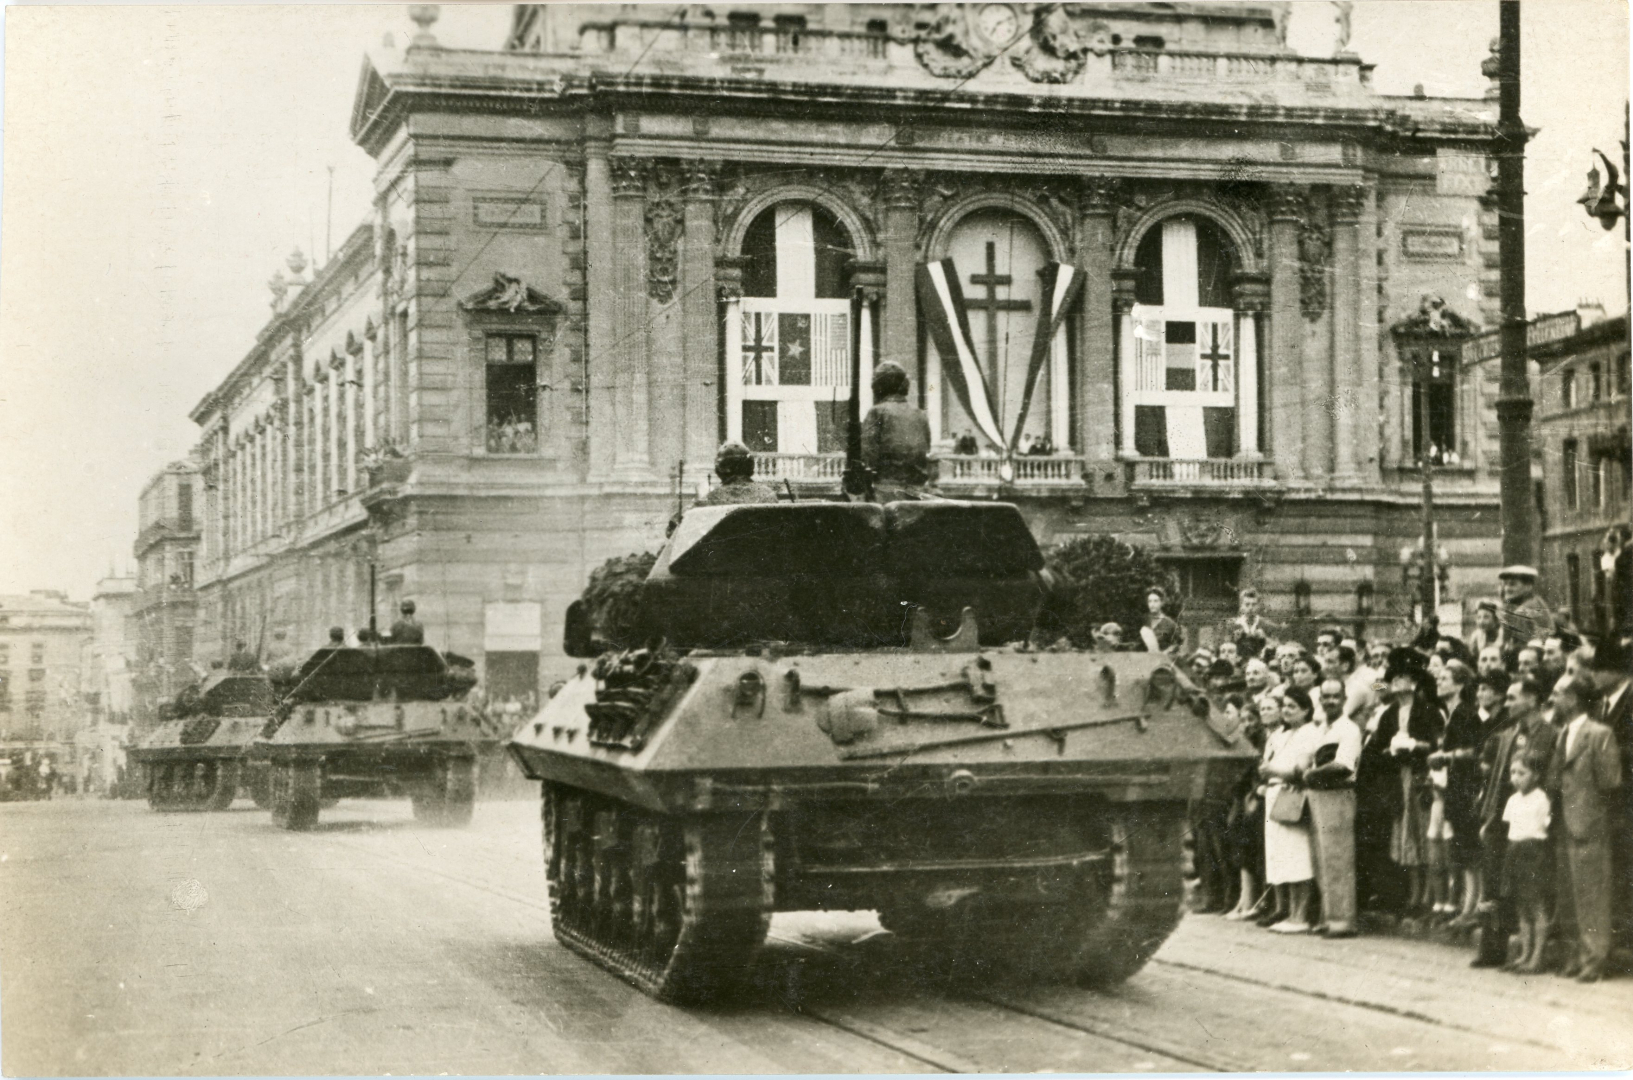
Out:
{"x": 1478, "y": 784}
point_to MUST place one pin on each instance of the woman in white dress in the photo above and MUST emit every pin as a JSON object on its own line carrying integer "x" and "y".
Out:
{"x": 1287, "y": 862}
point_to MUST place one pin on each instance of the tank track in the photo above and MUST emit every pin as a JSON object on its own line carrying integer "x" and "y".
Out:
{"x": 676, "y": 906}
{"x": 1101, "y": 939}
{"x": 192, "y": 785}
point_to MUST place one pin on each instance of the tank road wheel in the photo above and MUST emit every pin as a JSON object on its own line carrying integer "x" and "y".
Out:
{"x": 1100, "y": 939}
{"x": 1144, "y": 894}
{"x": 676, "y": 906}
{"x": 296, "y": 793}
{"x": 225, "y": 788}
{"x": 449, "y": 799}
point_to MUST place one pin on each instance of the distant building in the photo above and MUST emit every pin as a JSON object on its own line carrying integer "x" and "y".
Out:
{"x": 165, "y": 609}
{"x": 1581, "y": 428}
{"x": 1150, "y": 241}
{"x": 43, "y": 639}
{"x": 108, "y": 687}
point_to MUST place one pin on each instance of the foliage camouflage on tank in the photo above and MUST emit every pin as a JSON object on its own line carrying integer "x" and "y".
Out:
{"x": 376, "y": 722}
{"x": 837, "y": 706}
{"x": 196, "y": 759}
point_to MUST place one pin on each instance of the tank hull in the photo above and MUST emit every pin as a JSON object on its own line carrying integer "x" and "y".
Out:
{"x": 1005, "y": 808}
{"x": 179, "y": 772}
{"x": 425, "y": 751}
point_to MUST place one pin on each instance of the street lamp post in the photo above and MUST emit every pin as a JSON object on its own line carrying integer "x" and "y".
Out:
{"x": 1514, "y": 399}
{"x": 1610, "y": 202}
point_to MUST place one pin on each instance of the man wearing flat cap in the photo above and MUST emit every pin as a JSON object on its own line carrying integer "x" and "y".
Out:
{"x": 1524, "y": 615}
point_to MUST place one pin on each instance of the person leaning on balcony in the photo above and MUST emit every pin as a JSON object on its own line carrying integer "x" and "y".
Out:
{"x": 895, "y": 439}
{"x": 734, "y": 465}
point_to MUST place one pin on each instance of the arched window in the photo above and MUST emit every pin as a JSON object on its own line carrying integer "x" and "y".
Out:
{"x": 998, "y": 257}
{"x": 788, "y": 354}
{"x": 1188, "y": 349}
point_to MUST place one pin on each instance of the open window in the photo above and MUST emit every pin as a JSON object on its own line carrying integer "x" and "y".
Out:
{"x": 512, "y": 394}
{"x": 1434, "y": 407}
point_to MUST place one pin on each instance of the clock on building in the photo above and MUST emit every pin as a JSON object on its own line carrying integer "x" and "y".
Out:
{"x": 998, "y": 23}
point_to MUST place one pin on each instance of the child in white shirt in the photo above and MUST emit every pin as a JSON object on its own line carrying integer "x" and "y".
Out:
{"x": 1526, "y": 864}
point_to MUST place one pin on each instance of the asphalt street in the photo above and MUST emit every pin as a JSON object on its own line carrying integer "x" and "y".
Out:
{"x": 133, "y": 942}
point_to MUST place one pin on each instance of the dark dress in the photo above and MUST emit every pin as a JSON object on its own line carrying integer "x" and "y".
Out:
{"x": 1465, "y": 732}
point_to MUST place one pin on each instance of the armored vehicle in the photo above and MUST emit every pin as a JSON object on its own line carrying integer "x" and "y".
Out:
{"x": 376, "y": 722}
{"x": 195, "y": 759}
{"x": 837, "y": 707}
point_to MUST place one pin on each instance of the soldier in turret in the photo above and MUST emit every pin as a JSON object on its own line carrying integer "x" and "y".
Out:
{"x": 895, "y": 439}
{"x": 242, "y": 659}
{"x": 734, "y": 464}
{"x": 407, "y": 630}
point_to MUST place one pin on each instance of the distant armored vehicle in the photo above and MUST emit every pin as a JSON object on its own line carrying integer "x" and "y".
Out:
{"x": 195, "y": 760}
{"x": 376, "y": 722}
{"x": 838, "y": 709}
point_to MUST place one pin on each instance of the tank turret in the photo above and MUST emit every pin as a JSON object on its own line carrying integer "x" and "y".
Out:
{"x": 834, "y": 705}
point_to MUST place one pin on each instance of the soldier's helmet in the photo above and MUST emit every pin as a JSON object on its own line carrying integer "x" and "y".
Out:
{"x": 733, "y": 462}
{"x": 407, "y": 607}
{"x": 889, "y": 380}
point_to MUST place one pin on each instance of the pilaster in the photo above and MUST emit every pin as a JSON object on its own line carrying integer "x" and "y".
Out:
{"x": 1284, "y": 370}
{"x": 630, "y": 415}
{"x": 1347, "y": 206}
{"x": 901, "y": 210}
{"x": 700, "y": 318}
{"x": 1097, "y": 395}
{"x": 600, "y": 383}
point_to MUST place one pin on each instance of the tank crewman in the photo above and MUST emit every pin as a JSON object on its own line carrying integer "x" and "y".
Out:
{"x": 407, "y": 630}
{"x": 895, "y": 439}
{"x": 1524, "y": 615}
{"x": 337, "y": 637}
{"x": 734, "y": 465}
{"x": 242, "y": 659}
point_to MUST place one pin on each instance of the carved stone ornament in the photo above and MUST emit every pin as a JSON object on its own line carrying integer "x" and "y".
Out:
{"x": 1348, "y": 203}
{"x": 665, "y": 223}
{"x": 1056, "y": 196}
{"x": 1046, "y": 42}
{"x": 1060, "y": 46}
{"x": 1285, "y": 203}
{"x": 862, "y": 190}
{"x": 354, "y": 347}
{"x": 900, "y": 187}
{"x": 628, "y": 175}
{"x": 1101, "y": 194}
{"x": 702, "y": 178}
{"x": 733, "y": 192}
{"x": 509, "y": 296}
{"x": 949, "y": 42}
{"x": 1433, "y": 319}
{"x": 1314, "y": 259}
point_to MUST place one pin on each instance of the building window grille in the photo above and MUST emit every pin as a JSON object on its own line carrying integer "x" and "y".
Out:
{"x": 513, "y": 394}
{"x": 1363, "y": 599}
{"x": 1567, "y": 460}
{"x": 743, "y": 32}
{"x": 1301, "y": 599}
{"x": 36, "y": 653}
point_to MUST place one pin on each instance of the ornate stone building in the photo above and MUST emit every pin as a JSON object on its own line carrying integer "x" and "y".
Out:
{"x": 164, "y": 608}
{"x": 1143, "y": 258}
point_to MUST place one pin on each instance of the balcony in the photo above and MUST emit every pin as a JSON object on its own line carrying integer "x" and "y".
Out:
{"x": 957, "y": 472}
{"x": 1150, "y": 475}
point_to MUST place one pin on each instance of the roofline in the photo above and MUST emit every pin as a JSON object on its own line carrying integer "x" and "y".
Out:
{"x": 286, "y": 322}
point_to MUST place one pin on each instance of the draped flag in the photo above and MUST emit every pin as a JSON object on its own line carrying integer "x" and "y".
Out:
{"x": 1061, "y": 284}
{"x": 942, "y": 301}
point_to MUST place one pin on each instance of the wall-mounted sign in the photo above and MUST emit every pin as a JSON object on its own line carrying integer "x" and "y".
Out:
{"x": 508, "y": 212}
{"x": 1431, "y": 243}
{"x": 1459, "y": 173}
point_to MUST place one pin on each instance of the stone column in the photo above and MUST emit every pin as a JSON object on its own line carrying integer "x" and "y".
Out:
{"x": 872, "y": 279}
{"x": 900, "y": 338}
{"x": 351, "y": 373}
{"x": 1122, "y": 308}
{"x": 1251, "y": 298}
{"x": 600, "y": 380}
{"x": 630, "y": 459}
{"x": 700, "y": 318}
{"x": 1097, "y": 328}
{"x": 1284, "y": 371}
{"x": 1368, "y": 406}
{"x": 1347, "y": 205}
{"x": 728, "y": 276}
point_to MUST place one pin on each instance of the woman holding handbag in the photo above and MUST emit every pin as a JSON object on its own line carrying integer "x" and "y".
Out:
{"x": 1288, "y": 865}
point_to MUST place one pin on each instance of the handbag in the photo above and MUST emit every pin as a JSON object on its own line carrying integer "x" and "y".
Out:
{"x": 1290, "y": 807}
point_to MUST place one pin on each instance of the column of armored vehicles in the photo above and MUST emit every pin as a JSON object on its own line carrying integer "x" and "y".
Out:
{"x": 819, "y": 705}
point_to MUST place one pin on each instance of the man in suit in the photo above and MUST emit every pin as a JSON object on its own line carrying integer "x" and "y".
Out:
{"x": 1610, "y": 672}
{"x": 1525, "y": 732}
{"x": 1586, "y": 772}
